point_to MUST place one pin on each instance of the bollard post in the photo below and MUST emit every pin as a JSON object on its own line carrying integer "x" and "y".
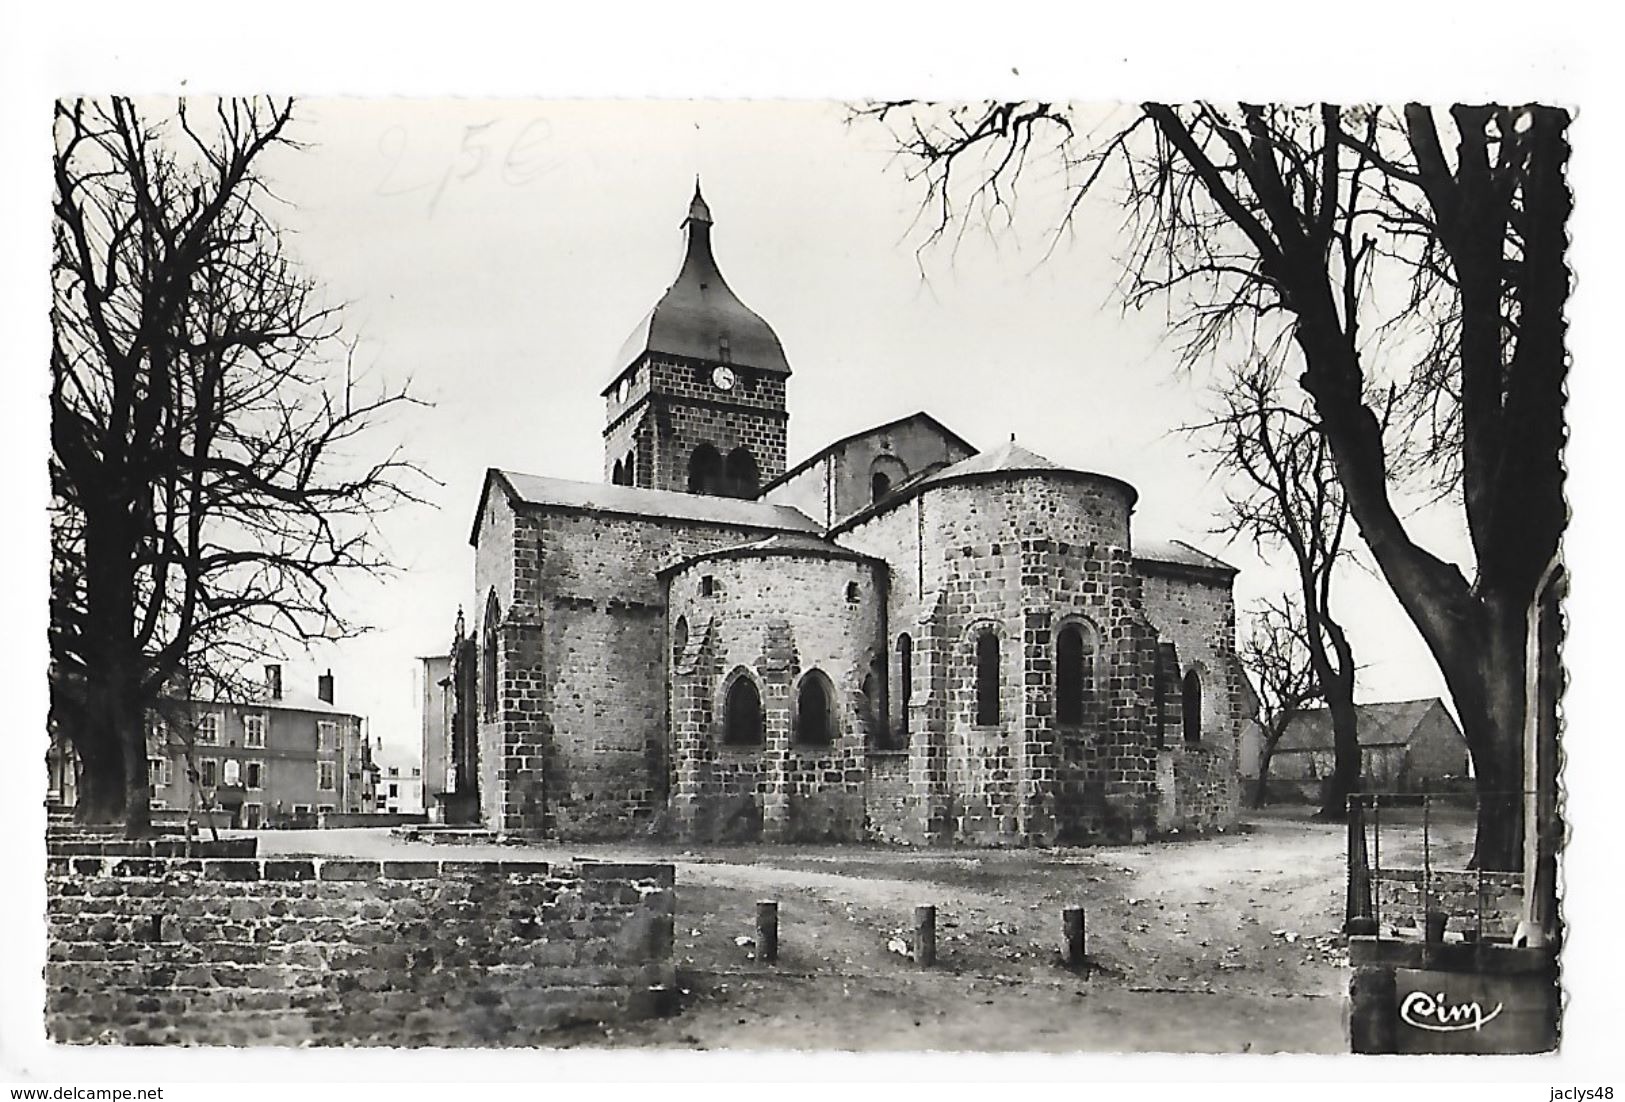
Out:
{"x": 767, "y": 930}
{"x": 925, "y": 936}
{"x": 1436, "y": 921}
{"x": 1072, "y": 936}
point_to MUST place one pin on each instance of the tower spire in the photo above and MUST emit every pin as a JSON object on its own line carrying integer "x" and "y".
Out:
{"x": 697, "y": 210}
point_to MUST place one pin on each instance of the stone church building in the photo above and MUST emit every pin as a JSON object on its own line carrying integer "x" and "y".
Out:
{"x": 900, "y": 638}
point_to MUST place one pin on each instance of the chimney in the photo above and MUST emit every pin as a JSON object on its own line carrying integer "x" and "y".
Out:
{"x": 273, "y": 680}
{"x": 324, "y": 686}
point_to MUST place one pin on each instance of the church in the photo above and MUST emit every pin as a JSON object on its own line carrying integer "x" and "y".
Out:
{"x": 901, "y": 638}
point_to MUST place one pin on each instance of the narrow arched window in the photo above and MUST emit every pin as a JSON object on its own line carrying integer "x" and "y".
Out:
{"x": 705, "y": 470}
{"x": 743, "y": 475}
{"x": 631, "y": 469}
{"x": 987, "y": 680}
{"x": 488, "y": 656}
{"x": 905, "y": 679}
{"x": 879, "y": 486}
{"x": 742, "y": 714}
{"x": 1074, "y": 673}
{"x": 814, "y": 712}
{"x": 1191, "y": 706}
{"x": 679, "y": 638}
{"x": 617, "y": 474}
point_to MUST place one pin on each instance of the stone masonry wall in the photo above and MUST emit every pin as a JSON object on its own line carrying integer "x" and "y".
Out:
{"x": 776, "y": 619}
{"x": 888, "y": 804}
{"x": 1195, "y": 611}
{"x": 578, "y": 748}
{"x": 1461, "y": 893}
{"x": 169, "y": 950}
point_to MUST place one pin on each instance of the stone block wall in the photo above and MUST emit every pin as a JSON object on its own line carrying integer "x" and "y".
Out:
{"x": 243, "y": 951}
{"x": 1463, "y": 894}
{"x": 888, "y": 800}
{"x": 776, "y": 619}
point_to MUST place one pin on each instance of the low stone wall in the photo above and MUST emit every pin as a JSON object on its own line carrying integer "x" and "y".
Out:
{"x": 342, "y": 820}
{"x": 240, "y": 951}
{"x": 1463, "y": 894}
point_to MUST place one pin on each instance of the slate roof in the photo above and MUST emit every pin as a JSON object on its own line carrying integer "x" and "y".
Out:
{"x": 780, "y": 543}
{"x": 699, "y": 311}
{"x": 1391, "y": 723}
{"x": 1178, "y": 553}
{"x": 601, "y": 497}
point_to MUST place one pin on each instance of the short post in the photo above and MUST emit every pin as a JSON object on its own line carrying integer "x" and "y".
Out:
{"x": 767, "y": 930}
{"x": 1436, "y": 921}
{"x": 925, "y": 935}
{"x": 1072, "y": 936}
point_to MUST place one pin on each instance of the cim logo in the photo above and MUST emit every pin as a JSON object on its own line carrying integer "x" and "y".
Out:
{"x": 1436, "y": 1013}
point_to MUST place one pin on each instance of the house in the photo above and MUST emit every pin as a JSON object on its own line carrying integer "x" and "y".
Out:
{"x": 1405, "y": 746}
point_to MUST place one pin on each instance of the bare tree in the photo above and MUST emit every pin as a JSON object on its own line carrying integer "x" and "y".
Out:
{"x": 1421, "y": 248}
{"x": 1286, "y": 496}
{"x": 206, "y": 424}
{"x": 1275, "y": 654}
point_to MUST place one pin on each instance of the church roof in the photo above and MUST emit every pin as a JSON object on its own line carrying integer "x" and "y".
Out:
{"x": 699, "y": 317}
{"x": 1178, "y": 553}
{"x": 1007, "y": 458}
{"x": 600, "y": 497}
{"x": 780, "y": 543}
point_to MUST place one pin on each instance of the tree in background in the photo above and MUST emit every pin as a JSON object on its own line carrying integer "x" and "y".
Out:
{"x": 1418, "y": 252}
{"x": 207, "y": 470}
{"x": 1275, "y": 655}
{"x": 1285, "y": 496}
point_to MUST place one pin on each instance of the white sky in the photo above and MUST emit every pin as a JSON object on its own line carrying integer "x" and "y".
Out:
{"x": 505, "y": 302}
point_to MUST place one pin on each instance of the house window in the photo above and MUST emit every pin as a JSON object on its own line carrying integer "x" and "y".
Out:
{"x": 157, "y": 772}
{"x": 815, "y": 717}
{"x": 905, "y": 678}
{"x": 324, "y": 776}
{"x": 742, "y": 713}
{"x": 301, "y": 809}
{"x": 326, "y": 734}
{"x": 1192, "y": 706}
{"x": 394, "y": 791}
{"x": 254, "y": 775}
{"x": 1074, "y": 673}
{"x": 208, "y": 729}
{"x": 322, "y": 809}
{"x": 708, "y": 586}
{"x": 254, "y": 730}
{"x": 208, "y": 772}
{"x": 987, "y": 679}
{"x": 852, "y": 593}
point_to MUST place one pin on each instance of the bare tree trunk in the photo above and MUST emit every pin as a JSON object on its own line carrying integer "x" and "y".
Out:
{"x": 1261, "y": 786}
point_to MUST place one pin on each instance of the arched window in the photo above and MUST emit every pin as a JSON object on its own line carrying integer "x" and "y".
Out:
{"x": 815, "y": 714}
{"x": 885, "y": 472}
{"x": 488, "y": 656}
{"x": 1074, "y": 673}
{"x": 617, "y": 475}
{"x": 679, "y": 638}
{"x": 905, "y": 678}
{"x": 631, "y": 469}
{"x": 1191, "y": 705}
{"x": 742, "y": 713}
{"x": 705, "y": 470}
{"x": 879, "y": 486}
{"x": 987, "y": 679}
{"x": 743, "y": 475}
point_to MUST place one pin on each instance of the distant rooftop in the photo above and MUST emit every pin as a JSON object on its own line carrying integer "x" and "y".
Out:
{"x": 1390, "y": 723}
{"x": 1178, "y": 553}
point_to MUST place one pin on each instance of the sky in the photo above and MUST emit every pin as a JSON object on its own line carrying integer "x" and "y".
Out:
{"x": 492, "y": 255}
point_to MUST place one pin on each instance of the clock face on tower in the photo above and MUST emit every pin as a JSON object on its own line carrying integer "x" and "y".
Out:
{"x": 723, "y": 378}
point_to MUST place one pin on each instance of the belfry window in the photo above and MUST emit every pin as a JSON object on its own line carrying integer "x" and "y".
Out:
{"x": 744, "y": 477}
{"x": 987, "y": 680}
{"x": 705, "y": 470}
{"x": 879, "y": 486}
{"x": 742, "y": 713}
{"x": 1191, "y": 705}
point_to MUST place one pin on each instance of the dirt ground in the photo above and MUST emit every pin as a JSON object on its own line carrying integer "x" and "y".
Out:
{"x": 1227, "y": 943}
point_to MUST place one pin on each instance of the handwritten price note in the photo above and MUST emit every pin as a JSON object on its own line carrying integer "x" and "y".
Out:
{"x": 515, "y": 153}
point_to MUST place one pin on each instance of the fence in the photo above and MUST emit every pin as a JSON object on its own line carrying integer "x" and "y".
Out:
{"x": 1408, "y": 858}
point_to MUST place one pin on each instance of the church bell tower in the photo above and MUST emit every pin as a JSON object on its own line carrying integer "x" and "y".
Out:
{"x": 697, "y": 401}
